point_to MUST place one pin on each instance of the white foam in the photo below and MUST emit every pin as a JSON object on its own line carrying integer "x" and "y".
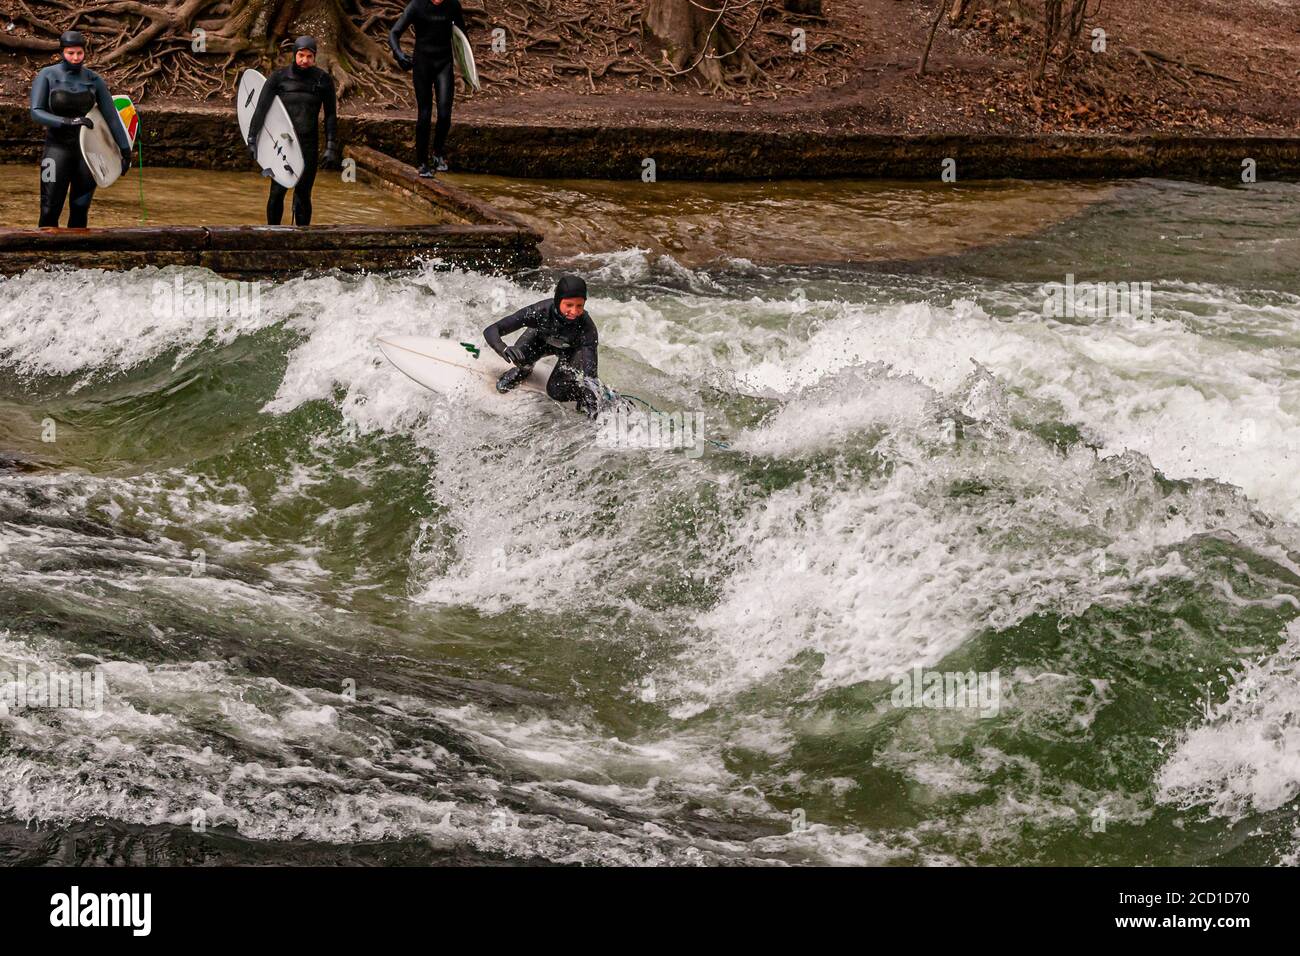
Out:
{"x": 309, "y": 766}
{"x": 1245, "y": 757}
{"x": 893, "y": 569}
{"x": 1198, "y": 405}
{"x": 86, "y": 321}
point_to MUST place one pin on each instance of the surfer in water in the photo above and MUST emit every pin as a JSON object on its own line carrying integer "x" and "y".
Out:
{"x": 433, "y": 74}
{"x": 62, "y": 95}
{"x": 304, "y": 89}
{"x": 557, "y": 326}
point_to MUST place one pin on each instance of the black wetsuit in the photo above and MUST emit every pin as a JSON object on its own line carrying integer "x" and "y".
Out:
{"x": 550, "y": 333}
{"x": 303, "y": 93}
{"x": 62, "y": 92}
{"x": 433, "y": 66}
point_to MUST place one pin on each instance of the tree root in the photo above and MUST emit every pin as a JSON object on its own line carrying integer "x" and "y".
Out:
{"x": 147, "y": 47}
{"x": 1186, "y": 65}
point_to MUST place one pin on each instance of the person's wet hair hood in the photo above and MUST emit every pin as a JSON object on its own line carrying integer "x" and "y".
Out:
{"x": 302, "y": 43}
{"x": 569, "y": 287}
{"x": 71, "y": 38}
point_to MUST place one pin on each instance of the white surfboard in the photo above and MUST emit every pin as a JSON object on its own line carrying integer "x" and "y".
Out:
{"x": 278, "y": 151}
{"x": 466, "y": 372}
{"x": 464, "y": 54}
{"x": 98, "y": 146}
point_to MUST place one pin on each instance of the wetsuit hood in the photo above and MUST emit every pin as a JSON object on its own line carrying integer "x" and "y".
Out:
{"x": 569, "y": 287}
{"x": 71, "y": 38}
{"x": 302, "y": 43}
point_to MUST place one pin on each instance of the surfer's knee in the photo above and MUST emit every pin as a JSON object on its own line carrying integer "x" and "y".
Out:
{"x": 563, "y": 386}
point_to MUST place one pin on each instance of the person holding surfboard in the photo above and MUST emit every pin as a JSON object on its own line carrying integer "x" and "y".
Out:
{"x": 435, "y": 22}
{"x": 62, "y": 95}
{"x": 558, "y": 326}
{"x": 305, "y": 90}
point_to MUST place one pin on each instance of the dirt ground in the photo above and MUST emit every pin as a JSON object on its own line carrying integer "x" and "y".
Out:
{"x": 1195, "y": 66}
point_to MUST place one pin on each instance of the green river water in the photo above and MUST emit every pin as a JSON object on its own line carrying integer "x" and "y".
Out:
{"x": 339, "y": 618}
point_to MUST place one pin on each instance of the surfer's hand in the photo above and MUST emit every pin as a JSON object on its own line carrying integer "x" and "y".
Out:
{"x": 404, "y": 62}
{"x": 252, "y": 146}
{"x": 513, "y": 354}
{"x": 331, "y": 157}
{"x": 85, "y": 121}
{"x": 126, "y": 161}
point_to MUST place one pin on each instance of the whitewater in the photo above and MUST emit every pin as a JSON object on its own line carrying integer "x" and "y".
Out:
{"x": 336, "y": 614}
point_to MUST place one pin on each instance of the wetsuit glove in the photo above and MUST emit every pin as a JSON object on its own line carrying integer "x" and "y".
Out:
{"x": 331, "y": 157}
{"x": 126, "y": 161}
{"x": 513, "y": 354}
{"x": 85, "y": 121}
{"x": 405, "y": 62}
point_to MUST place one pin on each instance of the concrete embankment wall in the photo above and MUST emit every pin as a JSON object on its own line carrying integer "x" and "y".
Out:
{"x": 469, "y": 233}
{"x": 208, "y": 136}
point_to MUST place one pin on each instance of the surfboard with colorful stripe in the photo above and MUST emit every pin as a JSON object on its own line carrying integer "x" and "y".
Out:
{"x": 98, "y": 145}
{"x": 130, "y": 118}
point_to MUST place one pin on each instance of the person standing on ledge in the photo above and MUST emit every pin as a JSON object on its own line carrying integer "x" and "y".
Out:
{"x": 62, "y": 95}
{"x": 432, "y": 63}
{"x": 304, "y": 89}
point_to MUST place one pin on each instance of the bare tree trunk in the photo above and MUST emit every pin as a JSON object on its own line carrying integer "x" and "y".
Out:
{"x": 696, "y": 38}
{"x": 1062, "y": 19}
{"x": 940, "y": 6}
{"x": 961, "y": 11}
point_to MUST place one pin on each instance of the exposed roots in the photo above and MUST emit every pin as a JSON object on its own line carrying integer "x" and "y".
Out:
{"x": 697, "y": 37}
{"x": 197, "y": 48}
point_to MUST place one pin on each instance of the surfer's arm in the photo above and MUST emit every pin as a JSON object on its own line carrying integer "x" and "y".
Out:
{"x": 269, "y": 90}
{"x": 40, "y": 97}
{"x": 458, "y": 17}
{"x": 586, "y": 357}
{"x": 330, "y": 101}
{"x": 395, "y": 34}
{"x": 105, "y": 102}
{"x": 511, "y": 323}
{"x": 586, "y": 360}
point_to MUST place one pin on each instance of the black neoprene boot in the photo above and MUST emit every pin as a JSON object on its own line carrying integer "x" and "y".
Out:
{"x": 511, "y": 378}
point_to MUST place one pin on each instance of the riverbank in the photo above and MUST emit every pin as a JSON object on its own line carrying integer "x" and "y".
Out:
{"x": 588, "y": 77}
{"x": 696, "y": 146}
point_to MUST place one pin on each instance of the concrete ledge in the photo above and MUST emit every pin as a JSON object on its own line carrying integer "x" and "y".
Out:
{"x": 383, "y": 171}
{"x": 208, "y": 136}
{"x": 265, "y": 251}
{"x": 482, "y": 238}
